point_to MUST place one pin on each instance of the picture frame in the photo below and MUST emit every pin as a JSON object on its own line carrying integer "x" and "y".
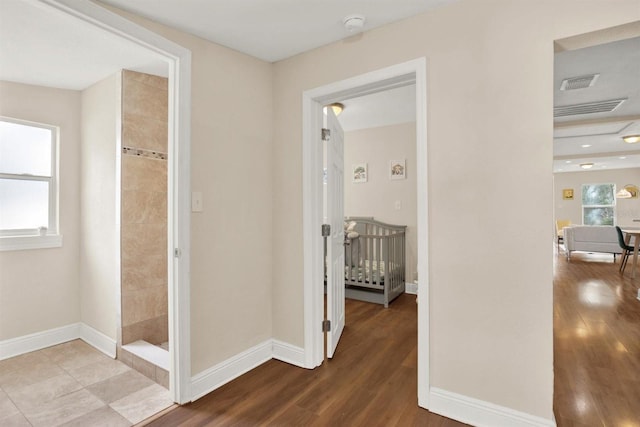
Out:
{"x": 567, "y": 194}
{"x": 359, "y": 172}
{"x": 398, "y": 169}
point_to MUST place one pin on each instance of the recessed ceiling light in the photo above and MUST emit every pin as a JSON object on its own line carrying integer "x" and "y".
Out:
{"x": 622, "y": 157}
{"x": 586, "y": 165}
{"x": 586, "y": 145}
{"x": 568, "y": 161}
{"x": 631, "y": 139}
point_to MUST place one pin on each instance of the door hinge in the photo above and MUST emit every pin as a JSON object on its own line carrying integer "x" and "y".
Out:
{"x": 326, "y": 230}
{"x": 326, "y": 134}
{"x": 177, "y": 252}
{"x": 326, "y": 325}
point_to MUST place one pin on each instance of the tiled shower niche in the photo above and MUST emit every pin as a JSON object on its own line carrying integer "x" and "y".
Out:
{"x": 144, "y": 306}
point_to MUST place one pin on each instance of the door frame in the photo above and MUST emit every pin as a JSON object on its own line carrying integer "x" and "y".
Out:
{"x": 179, "y": 175}
{"x": 312, "y": 102}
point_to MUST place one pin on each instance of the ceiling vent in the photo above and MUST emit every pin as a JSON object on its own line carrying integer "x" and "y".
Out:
{"x": 579, "y": 82}
{"x": 588, "y": 108}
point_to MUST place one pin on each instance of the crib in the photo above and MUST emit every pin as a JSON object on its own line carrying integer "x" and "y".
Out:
{"x": 374, "y": 261}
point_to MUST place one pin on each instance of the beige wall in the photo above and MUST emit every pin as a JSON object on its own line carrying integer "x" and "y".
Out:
{"x": 39, "y": 289}
{"x": 377, "y": 197}
{"x": 490, "y": 70}
{"x": 626, "y": 209}
{"x": 99, "y": 263}
{"x": 144, "y": 209}
{"x": 231, "y": 152}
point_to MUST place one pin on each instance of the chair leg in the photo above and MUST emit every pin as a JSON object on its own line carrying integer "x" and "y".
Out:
{"x": 623, "y": 261}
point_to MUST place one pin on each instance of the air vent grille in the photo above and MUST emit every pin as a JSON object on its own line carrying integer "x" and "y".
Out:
{"x": 588, "y": 108}
{"x": 579, "y": 82}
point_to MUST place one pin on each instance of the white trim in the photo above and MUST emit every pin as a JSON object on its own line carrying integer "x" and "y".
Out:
{"x": 224, "y": 372}
{"x": 19, "y": 243}
{"x": 480, "y": 413}
{"x": 98, "y": 340}
{"x": 288, "y": 353}
{"x": 411, "y": 288}
{"x": 39, "y": 340}
{"x": 179, "y": 175}
{"x": 312, "y": 101}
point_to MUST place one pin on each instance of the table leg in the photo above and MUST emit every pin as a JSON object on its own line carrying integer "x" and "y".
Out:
{"x": 636, "y": 243}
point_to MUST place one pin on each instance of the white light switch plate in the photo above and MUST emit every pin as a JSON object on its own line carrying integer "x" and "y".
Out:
{"x": 196, "y": 201}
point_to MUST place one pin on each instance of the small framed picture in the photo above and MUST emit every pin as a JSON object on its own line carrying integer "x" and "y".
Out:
{"x": 397, "y": 169}
{"x": 359, "y": 172}
{"x": 567, "y": 194}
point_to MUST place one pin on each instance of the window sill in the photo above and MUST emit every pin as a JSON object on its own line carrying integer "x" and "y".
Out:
{"x": 18, "y": 243}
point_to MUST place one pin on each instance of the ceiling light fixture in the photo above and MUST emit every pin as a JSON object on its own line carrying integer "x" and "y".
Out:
{"x": 586, "y": 165}
{"x": 631, "y": 139}
{"x": 586, "y": 145}
{"x": 353, "y": 23}
{"x": 336, "y": 107}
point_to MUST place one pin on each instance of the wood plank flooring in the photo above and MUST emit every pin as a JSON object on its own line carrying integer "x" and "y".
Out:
{"x": 596, "y": 343}
{"x": 371, "y": 381}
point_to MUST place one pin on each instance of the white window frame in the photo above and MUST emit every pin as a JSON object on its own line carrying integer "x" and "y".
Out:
{"x": 31, "y": 238}
{"x": 613, "y": 205}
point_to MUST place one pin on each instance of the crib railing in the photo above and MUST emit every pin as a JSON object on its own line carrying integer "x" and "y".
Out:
{"x": 376, "y": 259}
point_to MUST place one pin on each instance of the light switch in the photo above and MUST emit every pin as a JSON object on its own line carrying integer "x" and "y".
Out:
{"x": 398, "y": 205}
{"x": 196, "y": 201}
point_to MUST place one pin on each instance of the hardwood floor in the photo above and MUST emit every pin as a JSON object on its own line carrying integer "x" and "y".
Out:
{"x": 596, "y": 343}
{"x": 371, "y": 381}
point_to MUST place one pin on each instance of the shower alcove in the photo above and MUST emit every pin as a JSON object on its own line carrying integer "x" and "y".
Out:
{"x": 143, "y": 331}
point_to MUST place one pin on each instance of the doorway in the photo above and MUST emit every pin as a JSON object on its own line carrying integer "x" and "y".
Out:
{"x": 313, "y": 100}
{"x": 178, "y": 202}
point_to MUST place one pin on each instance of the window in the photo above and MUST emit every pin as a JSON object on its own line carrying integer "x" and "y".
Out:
{"x": 598, "y": 204}
{"x": 28, "y": 188}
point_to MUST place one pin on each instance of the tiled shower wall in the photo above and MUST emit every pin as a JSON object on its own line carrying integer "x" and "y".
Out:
{"x": 144, "y": 208}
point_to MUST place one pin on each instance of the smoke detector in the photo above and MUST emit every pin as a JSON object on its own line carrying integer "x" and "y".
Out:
{"x": 353, "y": 23}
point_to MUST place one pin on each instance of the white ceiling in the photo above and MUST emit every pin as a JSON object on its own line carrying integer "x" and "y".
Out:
{"x": 597, "y": 137}
{"x": 390, "y": 107}
{"x": 42, "y": 46}
{"x": 273, "y": 30}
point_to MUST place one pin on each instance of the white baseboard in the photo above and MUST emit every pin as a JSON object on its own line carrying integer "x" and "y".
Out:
{"x": 32, "y": 342}
{"x": 411, "y": 288}
{"x": 39, "y": 340}
{"x": 288, "y": 353}
{"x": 480, "y": 413}
{"x": 220, "y": 374}
{"x": 97, "y": 339}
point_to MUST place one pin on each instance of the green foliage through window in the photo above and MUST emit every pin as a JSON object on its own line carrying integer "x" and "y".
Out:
{"x": 598, "y": 204}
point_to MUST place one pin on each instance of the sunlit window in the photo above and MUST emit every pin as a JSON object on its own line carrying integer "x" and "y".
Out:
{"x": 28, "y": 196}
{"x": 598, "y": 204}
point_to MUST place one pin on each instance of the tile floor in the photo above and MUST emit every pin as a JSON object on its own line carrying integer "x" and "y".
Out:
{"x": 73, "y": 384}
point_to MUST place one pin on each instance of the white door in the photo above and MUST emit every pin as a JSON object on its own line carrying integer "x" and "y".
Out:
{"x": 335, "y": 242}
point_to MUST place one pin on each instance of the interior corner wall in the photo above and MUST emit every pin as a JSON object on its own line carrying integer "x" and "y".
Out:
{"x": 232, "y": 166}
{"x": 490, "y": 98}
{"x": 99, "y": 259}
{"x": 627, "y": 210}
{"x": 378, "y": 197}
{"x": 39, "y": 288}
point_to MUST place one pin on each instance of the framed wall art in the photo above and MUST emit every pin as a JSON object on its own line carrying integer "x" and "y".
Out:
{"x": 359, "y": 172}
{"x": 397, "y": 169}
